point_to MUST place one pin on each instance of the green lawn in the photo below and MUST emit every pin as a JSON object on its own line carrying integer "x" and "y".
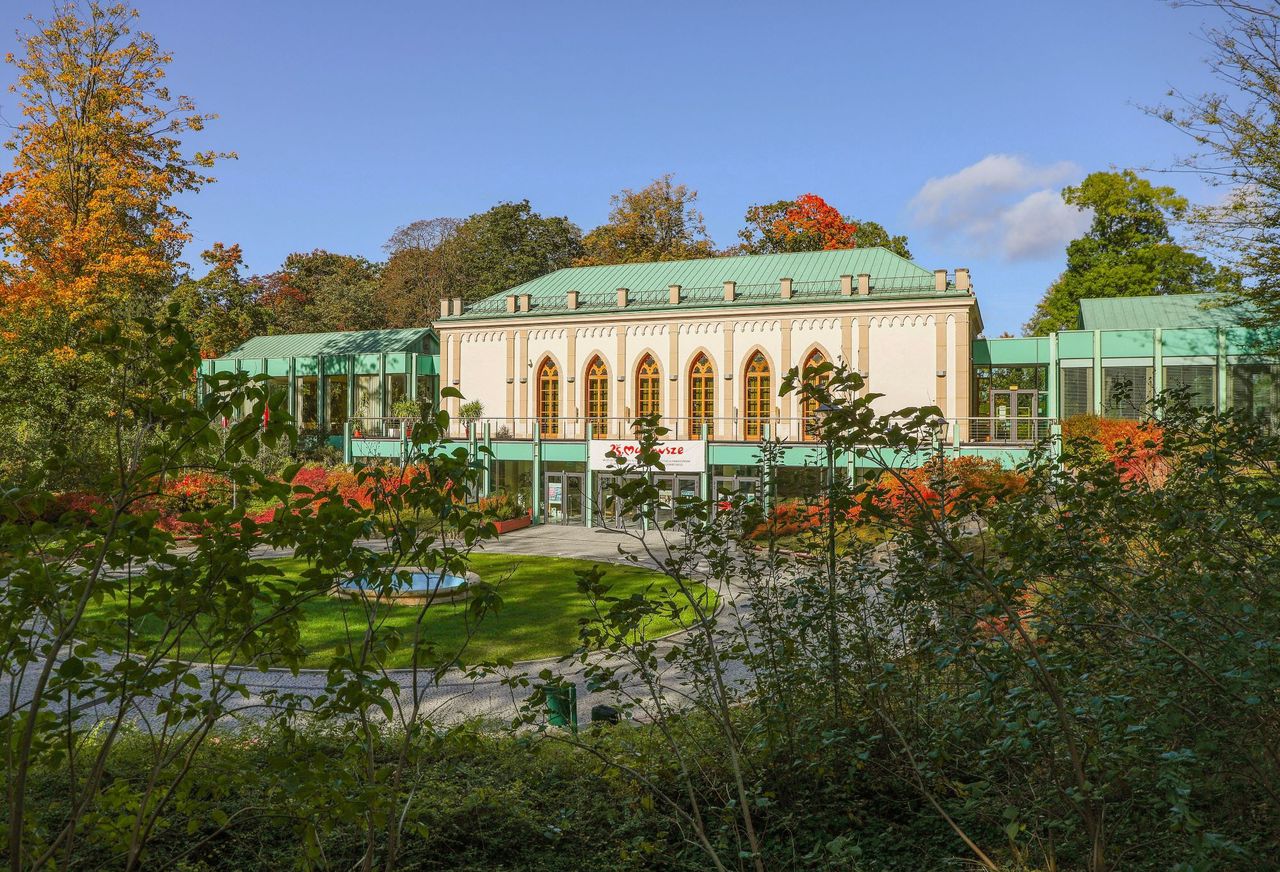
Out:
{"x": 539, "y": 616}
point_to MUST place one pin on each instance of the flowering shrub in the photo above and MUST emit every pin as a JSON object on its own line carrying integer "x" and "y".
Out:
{"x": 80, "y": 503}
{"x": 195, "y": 491}
{"x": 967, "y": 478}
{"x": 503, "y": 507}
{"x": 1135, "y": 447}
{"x": 897, "y": 498}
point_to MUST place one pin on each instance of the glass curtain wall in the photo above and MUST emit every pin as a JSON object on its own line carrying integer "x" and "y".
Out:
{"x": 1255, "y": 392}
{"x": 369, "y": 404}
{"x": 1077, "y": 391}
{"x": 335, "y": 403}
{"x": 1199, "y": 383}
{"x": 428, "y": 386}
{"x": 306, "y": 403}
{"x": 993, "y": 379}
{"x": 397, "y": 388}
{"x": 1127, "y": 391}
{"x": 278, "y": 386}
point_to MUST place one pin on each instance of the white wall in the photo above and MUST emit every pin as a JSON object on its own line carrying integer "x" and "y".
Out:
{"x": 902, "y": 361}
{"x": 483, "y": 370}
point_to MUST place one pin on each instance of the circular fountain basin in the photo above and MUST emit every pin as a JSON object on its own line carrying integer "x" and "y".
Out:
{"x": 421, "y": 587}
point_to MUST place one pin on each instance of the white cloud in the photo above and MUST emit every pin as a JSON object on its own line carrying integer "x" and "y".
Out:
{"x": 1003, "y": 204}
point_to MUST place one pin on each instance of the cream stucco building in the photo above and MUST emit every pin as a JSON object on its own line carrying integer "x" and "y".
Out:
{"x": 704, "y": 343}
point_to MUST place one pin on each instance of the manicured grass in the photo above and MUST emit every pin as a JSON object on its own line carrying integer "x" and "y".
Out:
{"x": 539, "y": 616}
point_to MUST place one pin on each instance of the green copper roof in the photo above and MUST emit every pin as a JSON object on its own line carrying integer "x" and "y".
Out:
{"x": 813, "y": 273}
{"x": 1146, "y": 313}
{"x": 311, "y": 344}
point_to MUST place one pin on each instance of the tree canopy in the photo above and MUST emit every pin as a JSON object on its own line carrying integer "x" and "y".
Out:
{"x": 660, "y": 221}
{"x": 90, "y": 235}
{"x": 321, "y": 290}
{"x": 504, "y": 246}
{"x": 809, "y": 223}
{"x": 221, "y": 308}
{"x": 1128, "y": 251}
{"x": 87, "y": 219}
{"x": 511, "y": 244}
{"x": 1237, "y": 148}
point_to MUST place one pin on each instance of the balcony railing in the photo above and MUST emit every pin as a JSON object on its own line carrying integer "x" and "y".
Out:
{"x": 947, "y": 431}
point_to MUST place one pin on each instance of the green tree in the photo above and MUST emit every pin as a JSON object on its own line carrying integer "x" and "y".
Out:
{"x": 508, "y": 245}
{"x": 787, "y": 225}
{"x": 1237, "y": 148}
{"x": 221, "y": 308}
{"x": 321, "y": 290}
{"x": 90, "y": 233}
{"x": 660, "y": 221}
{"x": 421, "y": 266}
{"x": 1128, "y": 251}
{"x": 491, "y": 251}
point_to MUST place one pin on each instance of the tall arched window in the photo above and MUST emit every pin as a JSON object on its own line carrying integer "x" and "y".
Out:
{"x": 597, "y": 404}
{"x": 758, "y": 397}
{"x": 648, "y": 387}
{"x": 702, "y": 397}
{"x": 809, "y": 405}
{"x": 549, "y": 399}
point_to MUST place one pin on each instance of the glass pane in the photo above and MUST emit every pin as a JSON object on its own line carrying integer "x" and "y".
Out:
{"x": 1255, "y": 392}
{"x": 1126, "y": 391}
{"x": 335, "y": 388}
{"x": 307, "y": 402}
{"x": 1077, "y": 391}
{"x": 1197, "y": 383}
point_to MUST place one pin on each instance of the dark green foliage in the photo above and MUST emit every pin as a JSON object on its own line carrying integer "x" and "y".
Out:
{"x": 320, "y": 290}
{"x": 1129, "y": 250}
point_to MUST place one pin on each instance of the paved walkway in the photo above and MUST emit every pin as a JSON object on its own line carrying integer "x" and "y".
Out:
{"x": 457, "y": 697}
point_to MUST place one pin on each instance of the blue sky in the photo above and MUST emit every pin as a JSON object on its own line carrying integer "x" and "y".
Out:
{"x": 956, "y": 123}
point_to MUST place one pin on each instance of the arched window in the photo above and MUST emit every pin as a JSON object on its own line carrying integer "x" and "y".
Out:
{"x": 758, "y": 398}
{"x": 549, "y": 399}
{"x": 597, "y": 404}
{"x": 809, "y": 405}
{"x": 648, "y": 387}
{"x": 702, "y": 397}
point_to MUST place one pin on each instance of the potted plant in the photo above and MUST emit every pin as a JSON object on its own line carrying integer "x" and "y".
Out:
{"x": 470, "y": 413}
{"x": 405, "y": 412}
{"x": 507, "y": 511}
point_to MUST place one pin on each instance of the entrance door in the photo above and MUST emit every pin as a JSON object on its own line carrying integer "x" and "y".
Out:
{"x": 671, "y": 489}
{"x": 564, "y": 497}
{"x": 1013, "y": 415}
{"x": 724, "y": 487}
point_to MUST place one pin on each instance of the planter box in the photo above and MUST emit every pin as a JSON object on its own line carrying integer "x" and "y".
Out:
{"x": 512, "y": 524}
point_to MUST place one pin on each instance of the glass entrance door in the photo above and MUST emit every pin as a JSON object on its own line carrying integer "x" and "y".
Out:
{"x": 724, "y": 488}
{"x": 671, "y": 489}
{"x": 1013, "y": 415}
{"x": 564, "y": 497}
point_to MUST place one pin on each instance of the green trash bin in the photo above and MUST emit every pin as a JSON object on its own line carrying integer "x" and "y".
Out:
{"x": 562, "y": 705}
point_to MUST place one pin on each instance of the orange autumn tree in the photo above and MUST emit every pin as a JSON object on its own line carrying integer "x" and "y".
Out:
{"x": 87, "y": 222}
{"x": 89, "y": 233}
{"x": 810, "y": 223}
{"x": 811, "y": 220}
